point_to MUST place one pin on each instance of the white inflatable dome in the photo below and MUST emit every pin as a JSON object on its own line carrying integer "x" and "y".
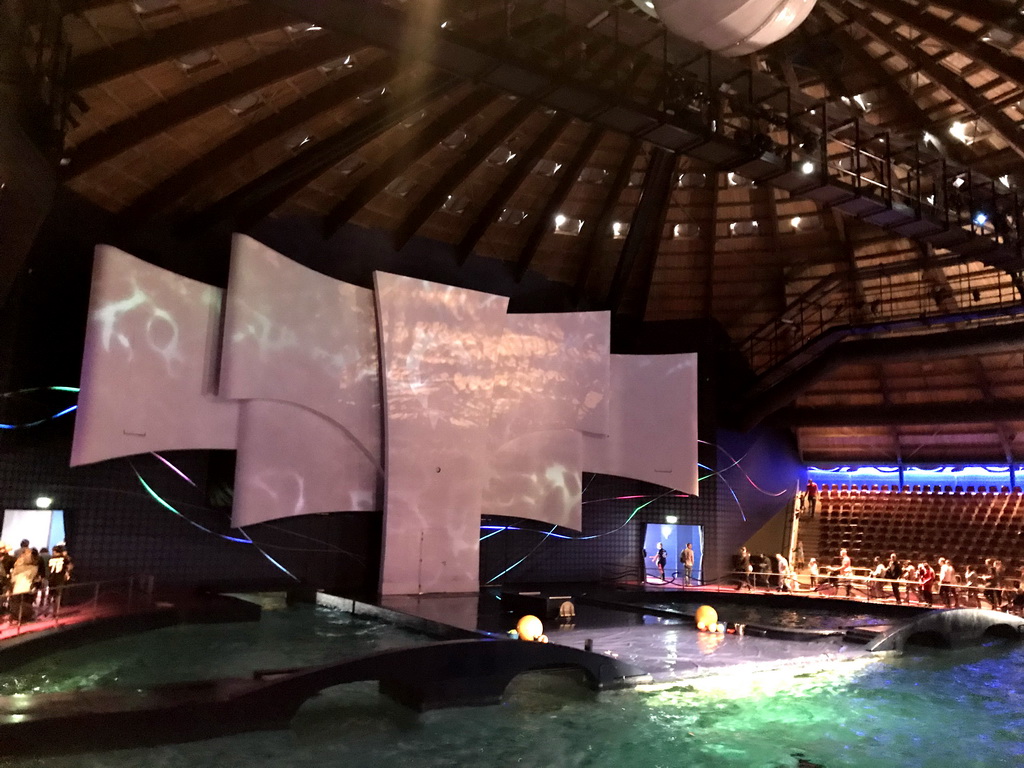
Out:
{"x": 732, "y": 27}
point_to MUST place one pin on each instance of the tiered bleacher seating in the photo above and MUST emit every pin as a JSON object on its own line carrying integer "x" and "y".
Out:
{"x": 966, "y": 525}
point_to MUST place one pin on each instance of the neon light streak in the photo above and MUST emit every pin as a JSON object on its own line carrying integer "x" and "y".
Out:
{"x": 165, "y": 505}
{"x": 520, "y": 560}
{"x": 272, "y": 560}
{"x": 39, "y": 421}
{"x": 175, "y": 469}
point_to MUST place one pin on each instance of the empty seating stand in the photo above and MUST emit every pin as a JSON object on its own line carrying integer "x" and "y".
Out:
{"x": 920, "y": 523}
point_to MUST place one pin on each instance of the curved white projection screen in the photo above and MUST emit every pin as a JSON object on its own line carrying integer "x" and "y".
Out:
{"x": 483, "y": 412}
{"x": 550, "y": 383}
{"x": 652, "y": 422}
{"x": 308, "y": 342}
{"x": 438, "y": 346}
{"x": 150, "y": 364}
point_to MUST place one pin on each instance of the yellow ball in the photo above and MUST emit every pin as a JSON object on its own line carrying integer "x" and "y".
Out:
{"x": 529, "y": 628}
{"x": 707, "y": 616}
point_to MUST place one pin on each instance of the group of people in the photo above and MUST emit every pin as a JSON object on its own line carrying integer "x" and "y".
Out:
{"x": 686, "y": 560}
{"x": 974, "y": 588}
{"x": 988, "y": 586}
{"x": 32, "y": 580}
{"x": 759, "y": 570}
{"x": 985, "y": 586}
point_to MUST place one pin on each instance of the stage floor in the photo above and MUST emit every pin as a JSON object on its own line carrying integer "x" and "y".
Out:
{"x": 670, "y": 649}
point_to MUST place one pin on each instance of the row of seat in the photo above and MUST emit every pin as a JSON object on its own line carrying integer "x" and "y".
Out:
{"x": 966, "y": 529}
{"x": 928, "y": 490}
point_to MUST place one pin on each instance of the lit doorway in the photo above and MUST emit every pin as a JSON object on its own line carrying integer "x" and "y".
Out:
{"x": 42, "y": 527}
{"x": 673, "y": 539}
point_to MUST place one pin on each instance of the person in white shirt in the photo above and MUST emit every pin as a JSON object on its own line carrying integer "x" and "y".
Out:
{"x": 947, "y": 583}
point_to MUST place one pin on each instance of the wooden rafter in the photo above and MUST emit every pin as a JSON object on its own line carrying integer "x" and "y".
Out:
{"x": 143, "y": 51}
{"x": 949, "y": 81}
{"x": 193, "y": 174}
{"x": 195, "y": 101}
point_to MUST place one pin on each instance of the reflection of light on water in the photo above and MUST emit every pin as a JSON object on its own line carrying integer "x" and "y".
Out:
{"x": 735, "y": 683}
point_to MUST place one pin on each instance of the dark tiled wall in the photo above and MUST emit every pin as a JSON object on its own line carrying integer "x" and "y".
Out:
{"x": 116, "y": 528}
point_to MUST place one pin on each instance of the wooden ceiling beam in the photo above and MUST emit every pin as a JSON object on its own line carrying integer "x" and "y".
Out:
{"x": 947, "y": 79}
{"x": 205, "y": 96}
{"x": 422, "y": 142}
{"x": 594, "y": 229}
{"x": 932, "y": 413}
{"x": 448, "y": 181}
{"x": 1008, "y": 66}
{"x": 570, "y": 171}
{"x": 995, "y": 13}
{"x": 645, "y": 228}
{"x": 709, "y": 243}
{"x": 521, "y": 166}
{"x": 264, "y": 194}
{"x": 141, "y": 51}
{"x": 327, "y": 97}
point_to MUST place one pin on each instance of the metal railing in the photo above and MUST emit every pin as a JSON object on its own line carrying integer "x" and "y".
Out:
{"x": 53, "y": 604}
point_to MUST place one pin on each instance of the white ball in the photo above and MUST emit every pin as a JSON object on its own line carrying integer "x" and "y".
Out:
{"x": 733, "y": 27}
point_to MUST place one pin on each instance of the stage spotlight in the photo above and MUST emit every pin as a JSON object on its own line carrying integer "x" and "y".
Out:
{"x": 981, "y": 218}
{"x": 807, "y": 168}
{"x": 43, "y": 502}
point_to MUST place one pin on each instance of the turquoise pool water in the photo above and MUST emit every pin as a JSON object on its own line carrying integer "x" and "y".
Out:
{"x": 284, "y": 637}
{"x": 948, "y": 710}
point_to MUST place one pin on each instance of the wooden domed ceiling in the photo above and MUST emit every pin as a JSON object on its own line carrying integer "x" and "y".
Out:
{"x": 821, "y": 194}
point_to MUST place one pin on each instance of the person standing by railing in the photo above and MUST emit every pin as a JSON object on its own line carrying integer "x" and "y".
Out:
{"x": 846, "y": 571}
{"x": 893, "y": 572}
{"x": 23, "y": 579}
{"x": 947, "y": 583}
{"x": 59, "y": 567}
{"x": 810, "y": 498}
{"x": 686, "y": 558}
{"x": 927, "y": 579}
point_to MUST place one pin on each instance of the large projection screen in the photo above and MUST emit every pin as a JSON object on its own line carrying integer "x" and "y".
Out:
{"x": 149, "y": 370}
{"x": 438, "y": 346}
{"x": 550, "y": 382}
{"x": 652, "y": 422}
{"x": 301, "y": 350}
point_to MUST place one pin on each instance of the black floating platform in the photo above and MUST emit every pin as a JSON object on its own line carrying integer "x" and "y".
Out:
{"x": 432, "y": 676}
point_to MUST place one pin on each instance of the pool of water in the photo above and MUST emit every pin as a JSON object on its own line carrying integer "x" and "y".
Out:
{"x": 295, "y": 636}
{"x": 768, "y": 615}
{"x": 951, "y": 709}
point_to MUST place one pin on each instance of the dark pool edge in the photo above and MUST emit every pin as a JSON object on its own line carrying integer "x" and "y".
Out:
{"x": 859, "y": 635}
{"x": 429, "y": 627}
{"x": 188, "y": 609}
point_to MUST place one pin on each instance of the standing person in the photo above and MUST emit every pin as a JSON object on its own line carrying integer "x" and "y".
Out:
{"x": 23, "y": 579}
{"x": 996, "y": 583}
{"x": 744, "y": 566}
{"x": 24, "y": 545}
{"x": 893, "y": 572}
{"x": 812, "y": 568}
{"x": 686, "y": 558}
{"x": 926, "y": 576}
{"x": 947, "y": 583}
{"x": 783, "y": 566}
{"x": 846, "y": 571}
{"x": 970, "y": 582}
{"x": 798, "y": 555}
{"x": 910, "y": 579}
{"x": 60, "y": 567}
{"x": 877, "y": 574}
{"x": 659, "y": 559}
{"x": 810, "y": 497}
